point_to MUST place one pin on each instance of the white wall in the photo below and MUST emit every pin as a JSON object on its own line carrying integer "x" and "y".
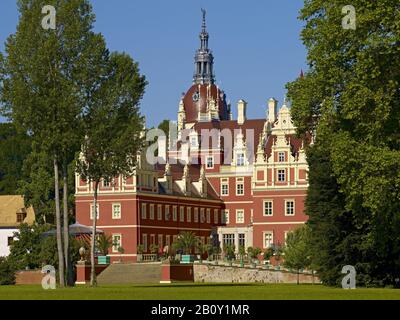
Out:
{"x": 4, "y": 234}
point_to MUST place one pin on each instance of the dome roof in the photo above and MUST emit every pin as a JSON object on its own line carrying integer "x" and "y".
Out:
{"x": 197, "y": 98}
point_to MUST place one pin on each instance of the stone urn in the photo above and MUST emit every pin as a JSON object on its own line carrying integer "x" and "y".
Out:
{"x": 82, "y": 252}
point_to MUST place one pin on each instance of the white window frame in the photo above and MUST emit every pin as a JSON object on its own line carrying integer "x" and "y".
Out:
{"x": 237, "y": 216}
{"x": 208, "y": 216}
{"x": 287, "y": 201}
{"x": 202, "y": 215}
{"x": 212, "y": 162}
{"x": 279, "y": 172}
{"x": 145, "y": 241}
{"x": 115, "y": 205}
{"x": 160, "y": 243}
{"x": 168, "y": 240}
{"x": 144, "y": 211}
{"x": 271, "y": 233}
{"x": 239, "y": 181}
{"x": 225, "y": 183}
{"x": 159, "y": 212}
{"x": 268, "y": 201}
{"x": 281, "y": 156}
{"x": 167, "y": 213}
{"x": 216, "y": 216}
{"x": 114, "y": 247}
{"x": 196, "y": 215}
{"x": 182, "y": 214}
{"x": 175, "y": 213}
{"x": 92, "y": 212}
{"x": 151, "y": 214}
{"x": 225, "y": 216}
{"x": 189, "y": 214}
{"x": 240, "y": 159}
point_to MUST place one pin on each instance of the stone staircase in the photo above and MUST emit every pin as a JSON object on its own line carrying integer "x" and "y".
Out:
{"x": 131, "y": 273}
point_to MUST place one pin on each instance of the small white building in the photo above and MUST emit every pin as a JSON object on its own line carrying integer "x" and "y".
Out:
{"x": 12, "y": 214}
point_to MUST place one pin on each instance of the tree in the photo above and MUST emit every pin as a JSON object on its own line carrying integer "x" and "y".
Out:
{"x": 113, "y": 129}
{"x": 47, "y": 79}
{"x": 7, "y": 272}
{"x": 297, "y": 250}
{"x": 14, "y": 148}
{"x": 350, "y": 101}
{"x": 186, "y": 242}
{"x": 229, "y": 251}
{"x": 104, "y": 243}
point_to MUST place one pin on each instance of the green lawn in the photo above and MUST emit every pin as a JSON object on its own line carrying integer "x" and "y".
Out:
{"x": 198, "y": 292}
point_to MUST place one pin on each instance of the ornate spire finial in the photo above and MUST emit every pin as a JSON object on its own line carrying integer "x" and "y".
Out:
{"x": 204, "y": 12}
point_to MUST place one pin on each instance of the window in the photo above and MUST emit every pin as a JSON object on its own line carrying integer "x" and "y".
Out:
{"x": 225, "y": 216}
{"x": 282, "y": 175}
{"x": 152, "y": 239}
{"x": 189, "y": 214}
{"x": 117, "y": 242}
{"x": 281, "y": 157}
{"x": 152, "y": 212}
{"x": 168, "y": 240}
{"x": 92, "y": 212}
{"x": 10, "y": 241}
{"x": 193, "y": 142}
{"x": 116, "y": 211}
{"x": 225, "y": 187}
{"x": 228, "y": 239}
{"x": 289, "y": 207}
{"x": 196, "y": 215}
{"x": 208, "y": 216}
{"x": 242, "y": 240}
{"x": 144, "y": 213}
{"x": 159, "y": 212}
{"x": 268, "y": 204}
{"x": 167, "y": 213}
{"x": 239, "y": 186}
{"x": 174, "y": 238}
{"x": 144, "y": 242}
{"x": 106, "y": 183}
{"x": 21, "y": 217}
{"x": 268, "y": 239}
{"x": 175, "y": 213}
{"x": 210, "y": 162}
{"x": 215, "y": 216}
{"x": 202, "y": 216}
{"x": 240, "y": 159}
{"x": 182, "y": 214}
{"x": 240, "y": 216}
{"x": 160, "y": 242}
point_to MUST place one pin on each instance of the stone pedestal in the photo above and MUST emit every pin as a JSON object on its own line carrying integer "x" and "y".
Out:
{"x": 176, "y": 272}
{"x": 83, "y": 269}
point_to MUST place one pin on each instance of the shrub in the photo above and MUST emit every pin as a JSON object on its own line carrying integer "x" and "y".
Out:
{"x": 7, "y": 272}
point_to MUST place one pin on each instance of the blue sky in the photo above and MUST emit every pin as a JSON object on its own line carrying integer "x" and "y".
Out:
{"x": 256, "y": 45}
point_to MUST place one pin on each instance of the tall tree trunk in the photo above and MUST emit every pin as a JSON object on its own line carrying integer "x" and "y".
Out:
{"x": 58, "y": 224}
{"x": 298, "y": 276}
{"x": 93, "y": 280}
{"x": 68, "y": 267}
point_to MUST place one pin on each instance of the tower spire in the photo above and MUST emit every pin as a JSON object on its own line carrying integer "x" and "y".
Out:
{"x": 204, "y": 60}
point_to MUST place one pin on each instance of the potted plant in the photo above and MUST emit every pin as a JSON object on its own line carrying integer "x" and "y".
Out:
{"x": 140, "y": 250}
{"x": 154, "y": 250}
{"x": 229, "y": 252}
{"x": 203, "y": 249}
{"x": 104, "y": 243}
{"x": 278, "y": 255}
{"x": 187, "y": 241}
{"x": 268, "y": 253}
{"x": 253, "y": 254}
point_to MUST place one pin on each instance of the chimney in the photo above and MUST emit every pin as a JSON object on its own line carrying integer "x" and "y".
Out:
{"x": 242, "y": 106}
{"x": 272, "y": 110}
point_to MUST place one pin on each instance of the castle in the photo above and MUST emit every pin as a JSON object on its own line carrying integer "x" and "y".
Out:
{"x": 230, "y": 181}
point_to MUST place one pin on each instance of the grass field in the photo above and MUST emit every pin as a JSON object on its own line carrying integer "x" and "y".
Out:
{"x": 197, "y": 292}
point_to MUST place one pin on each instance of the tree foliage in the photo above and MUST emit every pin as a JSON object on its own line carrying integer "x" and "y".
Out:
{"x": 350, "y": 98}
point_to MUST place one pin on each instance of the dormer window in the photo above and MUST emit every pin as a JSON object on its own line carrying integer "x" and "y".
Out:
{"x": 210, "y": 162}
{"x": 21, "y": 217}
{"x": 240, "y": 159}
{"x": 193, "y": 142}
{"x": 106, "y": 183}
{"x": 281, "y": 157}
